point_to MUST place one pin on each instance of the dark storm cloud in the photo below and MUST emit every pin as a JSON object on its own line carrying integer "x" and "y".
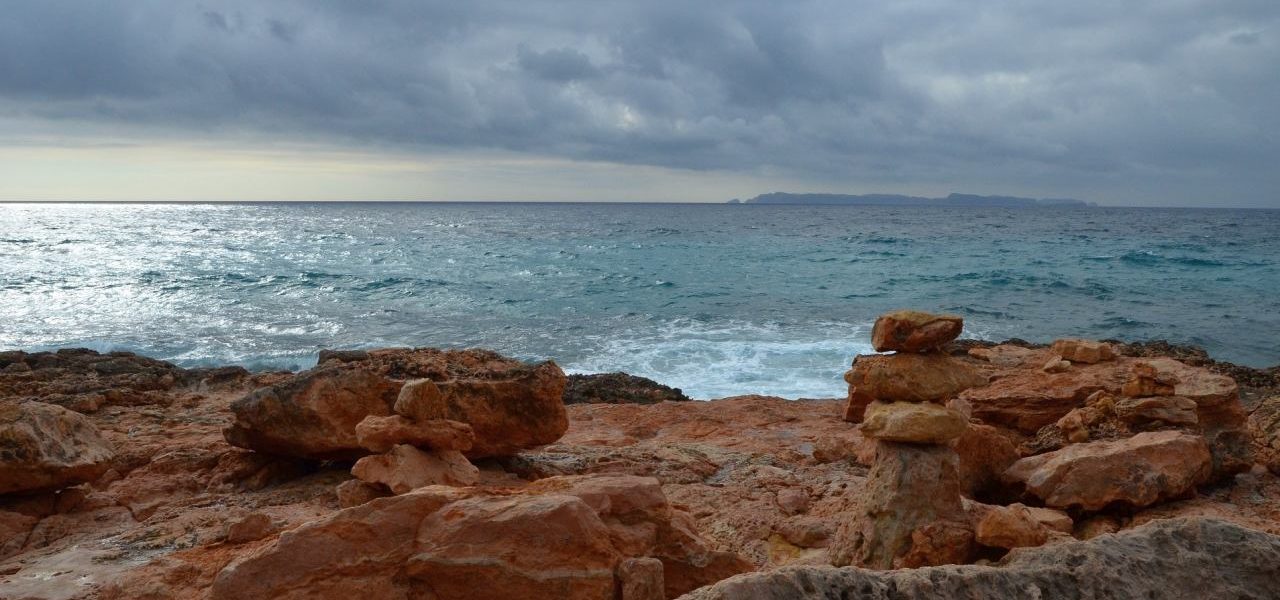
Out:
{"x": 1142, "y": 100}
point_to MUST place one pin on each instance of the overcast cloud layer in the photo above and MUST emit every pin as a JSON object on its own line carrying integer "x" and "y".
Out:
{"x": 1134, "y": 102}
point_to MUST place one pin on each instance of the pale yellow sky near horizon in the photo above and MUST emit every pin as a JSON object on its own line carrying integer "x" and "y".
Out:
{"x": 179, "y": 171}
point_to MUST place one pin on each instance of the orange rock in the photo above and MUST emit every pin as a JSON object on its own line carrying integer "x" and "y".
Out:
{"x": 918, "y": 422}
{"x": 14, "y": 529}
{"x": 1167, "y": 410}
{"x": 1138, "y": 471}
{"x": 406, "y": 468}
{"x": 1083, "y": 351}
{"x": 1028, "y": 399}
{"x": 381, "y": 433}
{"x": 984, "y": 454}
{"x": 46, "y": 447}
{"x": 1011, "y": 527}
{"x": 640, "y": 579}
{"x": 311, "y": 415}
{"x": 1056, "y": 364}
{"x": 911, "y": 377}
{"x": 541, "y": 547}
{"x": 520, "y": 410}
{"x": 253, "y": 526}
{"x": 914, "y": 331}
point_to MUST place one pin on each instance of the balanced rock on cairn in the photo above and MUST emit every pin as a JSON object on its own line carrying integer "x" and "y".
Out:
{"x": 910, "y": 513}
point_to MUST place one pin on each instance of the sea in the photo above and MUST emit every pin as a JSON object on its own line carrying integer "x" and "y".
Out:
{"x": 717, "y": 300}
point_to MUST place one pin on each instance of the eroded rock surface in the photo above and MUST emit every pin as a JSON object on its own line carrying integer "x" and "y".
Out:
{"x": 1164, "y": 559}
{"x": 914, "y": 331}
{"x": 45, "y": 447}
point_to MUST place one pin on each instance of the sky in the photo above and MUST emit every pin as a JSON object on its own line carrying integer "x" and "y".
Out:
{"x": 1140, "y": 102}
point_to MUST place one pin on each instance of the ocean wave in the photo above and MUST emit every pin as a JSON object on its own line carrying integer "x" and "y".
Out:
{"x": 715, "y": 360}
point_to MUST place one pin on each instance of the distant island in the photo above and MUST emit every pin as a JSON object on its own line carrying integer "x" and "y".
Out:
{"x": 900, "y": 200}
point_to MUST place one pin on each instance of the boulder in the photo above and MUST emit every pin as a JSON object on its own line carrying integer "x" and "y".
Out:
{"x": 912, "y": 496}
{"x": 1156, "y": 410}
{"x": 406, "y": 468}
{"x": 914, "y": 331}
{"x": 14, "y": 530}
{"x": 312, "y": 415}
{"x": 1083, "y": 351}
{"x": 1163, "y": 559}
{"x": 1146, "y": 380}
{"x": 354, "y": 492}
{"x": 1028, "y": 399}
{"x": 1013, "y": 526}
{"x": 381, "y": 433}
{"x": 1138, "y": 471}
{"x": 46, "y": 447}
{"x": 521, "y": 411}
{"x": 911, "y": 377}
{"x": 919, "y": 422}
{"x": 553, "y": 546}
{"x": 640, "y": 579}
{"x": 618, "y": 388}
{"x": 1265, "y": 423}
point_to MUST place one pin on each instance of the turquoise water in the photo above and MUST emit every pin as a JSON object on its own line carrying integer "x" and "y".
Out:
{"x": 715, "y": 299}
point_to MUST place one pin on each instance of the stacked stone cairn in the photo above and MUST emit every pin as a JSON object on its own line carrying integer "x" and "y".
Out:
{"x": 417, "y": 447}
{"x": 910, "y": 513}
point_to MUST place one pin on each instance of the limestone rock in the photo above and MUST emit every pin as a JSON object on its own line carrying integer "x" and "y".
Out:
{"x": 1010, "y": 527}
{"x": 1029, "y": 399}
{"x": 919, "y": 422}
{"x": 618, "y": 388}
{"x": 640, "y": 579}
{"x": 911, "y": 377}
{"x": 910, "y": 487}
{"x": 1083, "y": 351}
{"x": 14, "y": 529}
{"x": 1148, "y": 381}
{"x": 1166, "y": 410}
{"x": 1138, "y": 471}
{"x": 312, "y": 415}
{"x": 47, "y": 447}
{"x": 1056, "y": 364}
{"x": 1163, "y": 559}
{"x": 1265, "y": 423}
{"x": 521, "y": 410}
{"x": 406, "y": 468}
{"x": 254, "y": 526}
{"x": 914, "y": 331}
{"x": 381, "y": 433}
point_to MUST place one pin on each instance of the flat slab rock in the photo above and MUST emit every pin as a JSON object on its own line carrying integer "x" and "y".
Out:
{"x": 1176, "y": 558}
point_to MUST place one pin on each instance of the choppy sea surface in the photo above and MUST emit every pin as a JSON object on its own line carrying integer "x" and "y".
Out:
{"x": 715, "y": 299}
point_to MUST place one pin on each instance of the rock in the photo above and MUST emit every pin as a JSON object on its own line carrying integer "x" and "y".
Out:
{"x": 1148, "y": 381}
{"x": 914, "y": 331}
{"x": 47, "y": 447}
{"x": 354, "y": 492}
{"x": 640, "y": 579}
{"x": 1028, "y": 399}
{"x": 1083, "y": 351}
{"x": 507, "y": 415}
{"x": 1138, "y": 471}
{"x": 793, "y": 501}
{"x": 252, "y": 527}
{"x": 1162, "y": 410}
{"x": 1004, "y": 355}
{"x": 406, "y": 468}
{"x": 355, "y": 553}
{"x": 806, "y": 532}
{"x": 855, "y": 406}
{"x": 1011, "y": 527}
{"x": 1097, "y": 525}
{"x": 618, "y": 388}
{"x": 984, "y": 454}
{"x": 1053, "y": 520}
{"x": 910, "y": 487}
{"x": 312, "y": 415}
{"x": 1265, "y": 423}
{"x": 484, "y": 547}
{"x": 381, "y": 433}
{"x": 1056, "y": 364}
{"x": 911, "y": 377}
{"x": 14, "y": 529}
{"x": 922, "y": 423}
{"x": 1164, "y": 559}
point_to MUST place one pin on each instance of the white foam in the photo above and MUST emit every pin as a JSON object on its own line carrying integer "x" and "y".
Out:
{"x": 714, "y": 361}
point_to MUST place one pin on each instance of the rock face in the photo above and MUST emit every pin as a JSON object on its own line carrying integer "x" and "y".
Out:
{"x": 912, "y": 492}
{"x": 1163, "y": 559}
{"x": 46, "y": 447}
{"x": 507, "y": 415}
{"x": 313, "y": 415}
{"x": 984, "y": 455}
{"x": 914, "y": 331}
{"x": 509, "y": 406}
{"x": 618, "y": 388}
{"x": 922, "y": 422}
{"x": 911, "y": 377}
{"x": 406, "y": 468}
{"x": 1265, "y": 422}
{"x": 562, "y": 537}
{"x": 1137, "y": 471}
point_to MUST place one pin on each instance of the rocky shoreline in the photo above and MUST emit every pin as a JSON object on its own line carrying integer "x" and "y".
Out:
{"x": 422, "y": 473}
